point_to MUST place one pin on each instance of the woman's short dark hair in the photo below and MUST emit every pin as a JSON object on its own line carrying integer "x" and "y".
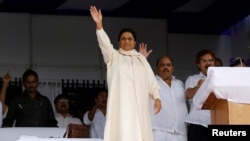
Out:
{"x": 130, "y": 30}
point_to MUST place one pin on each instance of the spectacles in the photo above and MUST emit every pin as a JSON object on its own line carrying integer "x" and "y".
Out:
{"x": 207, "y": 61}
{"x": 63, "y": 100}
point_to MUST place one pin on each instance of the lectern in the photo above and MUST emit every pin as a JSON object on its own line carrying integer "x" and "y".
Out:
{"x": 226, "y": 92}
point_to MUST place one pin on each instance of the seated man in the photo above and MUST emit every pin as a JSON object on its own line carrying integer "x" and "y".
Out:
{"x": 96, "y": 117}
{"x": 63, "y": 116}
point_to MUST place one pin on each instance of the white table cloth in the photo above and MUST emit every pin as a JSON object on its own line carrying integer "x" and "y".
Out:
{"x": 228, "y": 83}
{"x": 36, "y": 134}
{"x": 57, "y": 139}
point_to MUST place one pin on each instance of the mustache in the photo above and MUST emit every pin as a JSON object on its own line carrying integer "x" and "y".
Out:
{"x": 165, "y": 70}
{"x": 208, "y": 66}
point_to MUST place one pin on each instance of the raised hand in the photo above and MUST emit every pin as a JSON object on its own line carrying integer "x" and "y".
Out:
{"x": 6, "y": 79}
{"x": 199, "y": 83}
{"x": 143, "y": 50}
{"x": 96, "y": 16}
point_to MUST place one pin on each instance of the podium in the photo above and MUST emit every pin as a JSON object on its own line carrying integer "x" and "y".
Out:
{"x": 226, "y": 92}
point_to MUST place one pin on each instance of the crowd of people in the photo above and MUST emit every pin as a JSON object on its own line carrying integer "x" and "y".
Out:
{"x": 136, "y": 104}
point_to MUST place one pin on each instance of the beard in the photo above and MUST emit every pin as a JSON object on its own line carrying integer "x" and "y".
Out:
{"x": 30, "y": 89}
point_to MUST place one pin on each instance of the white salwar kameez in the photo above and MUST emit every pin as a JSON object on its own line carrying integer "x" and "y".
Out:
{"x": 131, "y": 84}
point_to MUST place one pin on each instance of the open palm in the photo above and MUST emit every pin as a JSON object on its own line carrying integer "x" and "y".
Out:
{"x": 96, "y": 14}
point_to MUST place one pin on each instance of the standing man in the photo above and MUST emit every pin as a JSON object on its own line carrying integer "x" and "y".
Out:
{"x": 198, "y": 119}
{"x": 169, "y": 126}
{"x": 96, "y": 117}
{"x": 30, "y": 108}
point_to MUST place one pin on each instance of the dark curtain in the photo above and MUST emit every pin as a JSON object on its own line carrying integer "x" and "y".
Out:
{"x": 14, "y": 89}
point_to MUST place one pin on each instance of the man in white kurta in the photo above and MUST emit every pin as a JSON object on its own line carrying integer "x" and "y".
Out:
{"x": 198, "y": 119}
{"x": 95, "y": 118}
{"x": 63, "y": 122}
{"x": 168, "y": 124}
{"x": 97, "y": 125}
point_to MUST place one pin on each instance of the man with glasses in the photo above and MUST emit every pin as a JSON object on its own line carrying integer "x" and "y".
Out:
{"x": 198, "y": 120}
{"x": 63, "y": 117}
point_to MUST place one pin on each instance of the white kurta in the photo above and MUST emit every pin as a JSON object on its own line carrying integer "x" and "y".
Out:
{"x": 63, "y": 122}
{"x": 173, "y": 113}
{"x": 131, "y": 83}
{"x": 196, "y": 116}
{"x": 97, "y": 125}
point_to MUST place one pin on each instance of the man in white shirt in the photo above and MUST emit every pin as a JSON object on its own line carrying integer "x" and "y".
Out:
{"x": 96, "y": 117}
{"x": 168, "y": 124}
{"x": 63, "y": 117}
{"x": 198, "y": 120}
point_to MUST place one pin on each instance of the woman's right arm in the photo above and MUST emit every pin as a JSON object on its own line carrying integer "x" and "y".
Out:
{"x": 102, "y": 37}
